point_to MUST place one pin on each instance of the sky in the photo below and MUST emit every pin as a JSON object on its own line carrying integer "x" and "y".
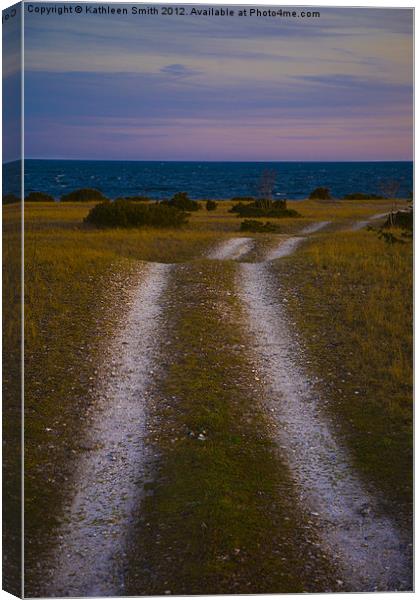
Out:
{"x": 12, "y": 85}
{"x": 338, "y": 87}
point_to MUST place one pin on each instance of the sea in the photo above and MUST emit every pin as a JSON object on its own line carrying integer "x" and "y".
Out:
{"x": 202, "y": 180}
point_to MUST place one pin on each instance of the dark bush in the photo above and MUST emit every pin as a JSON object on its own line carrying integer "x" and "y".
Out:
{"x": 10, "y": 199}
{"x": 182, "y": 202}
{"x": 360, "y": 196}
{"x": 258, "y": 226}
{"x": 401, "y": 219}
{"x": 236, "y": 208}
{"x": 320, "y": 193}
{"x": 38, "y": 197}
{"x": 270, "y": 204}
{"x": 83, "y": 195}
{"x": 123, "y": 213}
{"x": 211, "y": 205}
{"x": 265, "y": 208}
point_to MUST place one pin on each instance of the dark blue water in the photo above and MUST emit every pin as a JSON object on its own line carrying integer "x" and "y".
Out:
{"x": 222, "y": 180}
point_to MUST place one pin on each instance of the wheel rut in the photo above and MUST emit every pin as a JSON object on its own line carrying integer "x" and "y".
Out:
{"x": 91, "y": 557}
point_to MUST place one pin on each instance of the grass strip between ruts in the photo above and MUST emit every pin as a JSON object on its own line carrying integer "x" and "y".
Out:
{"x": 221, "y": 515}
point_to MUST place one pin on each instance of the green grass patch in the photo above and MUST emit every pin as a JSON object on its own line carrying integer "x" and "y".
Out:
{"x": 255, "y": 226}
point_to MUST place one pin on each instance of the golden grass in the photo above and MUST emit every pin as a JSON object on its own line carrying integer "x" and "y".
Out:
{"x": 50, "y": 216}
{"x": 333, "y": 210}
{"x": 11, "y": 401}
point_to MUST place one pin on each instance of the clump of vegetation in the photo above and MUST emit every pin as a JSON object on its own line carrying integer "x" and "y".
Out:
{"x": 83, "y": 195}
{"x": 264, "y": 208}
{"x": 259, "y": 227}
{"x": 123, "y": 213}
{"x": 10, "y": 199}
{"x": 320, "y": 193}
{"x": 238, "y": 207}
{"x": 402, "y": 219}
{"x": 181, "y": 201}
{"x": 38, "y": 197}
{"x": 398, "y": 227}
{"x": 211, "y": 205}
{"x": 361, "y": 196}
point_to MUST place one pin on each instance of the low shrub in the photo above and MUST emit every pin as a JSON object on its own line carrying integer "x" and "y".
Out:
{"x": 182, "y": 202}
{"x": 258, "y": 226}
{"x": 270, "y": 204}
{"x": 264, "y": 208}
{"x": 236, "y": 208}
{"x": 320, "y": 193}
{"x": 123, "y": 213}
{"x": 211, "y": 205}
{"x": 38, "y": 197}
{"x": 360, "y": 196}
{"x": 10, "y": 199}
{"x": 401, "y": 219}
{"x": 83, "y": 195}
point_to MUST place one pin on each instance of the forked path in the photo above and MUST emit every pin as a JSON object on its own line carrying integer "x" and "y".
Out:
{"x": 232, "y": 249}
{"x": 367, "y": 547}
{"x": 361, "y": 224}
{"x": 289, "y": 246}
{"x": 92, "y": 557}
{"x": 236, "y": 248}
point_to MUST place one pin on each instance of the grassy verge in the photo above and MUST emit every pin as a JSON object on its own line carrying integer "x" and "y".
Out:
{"x": 221, "y": 514}
{"x": 11, "y": 399}
{"x": 70, "y": 318}
{"x": 350, "y": 295}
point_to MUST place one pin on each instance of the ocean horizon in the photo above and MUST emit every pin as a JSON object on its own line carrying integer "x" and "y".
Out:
{"x": 207, "y": 179}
